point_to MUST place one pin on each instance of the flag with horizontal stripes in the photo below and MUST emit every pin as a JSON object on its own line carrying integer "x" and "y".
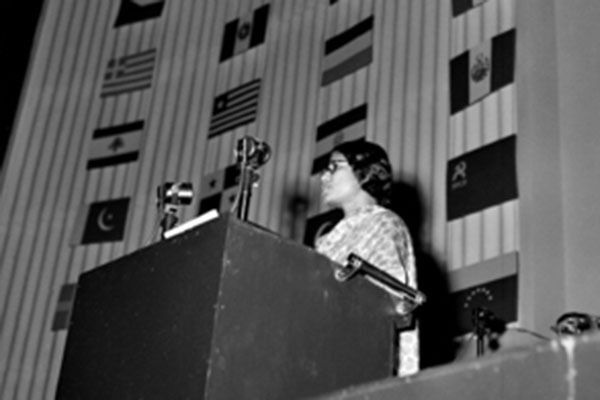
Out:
{"x": 348, "y": 52}
{"x": 234, "y": 108}
{"x": 101, "y": 221}
{"x": 462, "y": 6}
{"x": 244, "y": 33}
{"x": 482, "y": 70}
{"x": 64, "y": 307}
{"x": 482, "y": 178}
{"x": 218, "y": 190}
{"x": 491, "y": 284}
{"x": 131, "y": 11}
{"x": 320, "y": 224}
{"x": 115, "y": 145}
{"x": 129, "y": 73}
{"x": 351, "y": 125}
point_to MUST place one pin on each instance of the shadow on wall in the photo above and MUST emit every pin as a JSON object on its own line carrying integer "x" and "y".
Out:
{"x": 437, "y": 318}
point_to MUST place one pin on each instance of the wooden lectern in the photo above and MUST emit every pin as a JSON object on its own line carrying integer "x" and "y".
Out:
{"x": 225, "y": 311}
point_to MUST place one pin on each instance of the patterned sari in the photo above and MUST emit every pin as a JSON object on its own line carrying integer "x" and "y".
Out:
{"x": 381, "y": 238}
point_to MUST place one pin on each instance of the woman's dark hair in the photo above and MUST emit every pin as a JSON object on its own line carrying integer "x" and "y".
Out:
{"x": 371, "y": 166}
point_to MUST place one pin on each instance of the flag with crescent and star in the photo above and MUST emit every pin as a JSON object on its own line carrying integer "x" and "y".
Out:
{"x": 115, "y": 145}
{"x": 244, "y": 33}
{"x": 490, "y": 284}
{"x": 105, "y": 221}
{"x": 219, "y": 189}
{"x": 131, "y": 11}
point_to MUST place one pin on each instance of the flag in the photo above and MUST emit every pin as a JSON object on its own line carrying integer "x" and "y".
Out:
{"x": 244, "y": 33}
{"x": 351, "y": 125}
{"x": 320, "y": 224}
{"x": 62, "y": 314}
{"x": 102, "y": 221}
{"x": 129, "y": 73}
{"x": 234, "y": 108}
{"x": 491, "y": 284}
{"x": 348, "y": 52}
{"x": 219, "y": 189}
{"x": 462, "y": 6}
{"x": 482, "y": 70}
{"x": 115, "y": 145}
{"x": 131, "y": 11}
{"x": 482, "y": 178}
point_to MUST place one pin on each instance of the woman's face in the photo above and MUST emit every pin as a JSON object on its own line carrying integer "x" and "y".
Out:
{"x": 339, "y": 185}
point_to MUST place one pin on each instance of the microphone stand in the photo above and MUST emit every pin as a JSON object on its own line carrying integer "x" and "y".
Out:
{"x": 486, "y": 324}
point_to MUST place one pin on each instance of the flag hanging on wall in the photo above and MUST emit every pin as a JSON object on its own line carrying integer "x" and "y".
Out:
{"x": 320, "y": 224}
{"x": 351, "y": 125}
{"x": 491, "y": 284}
{"x": 462, "y": 6}
{"x": 131, "y": 11}
{"x": 102, "y": 221}
{"x": 115, "y": 145}
{"x": 244, "y": 33}
{"x": 129, "y": 73}
{"x": 482, "y": 178}
{"x": 482, "y": 70}
{"x": 234, "y": 108}
{"x": 348, "y": 52}
{"x": 219, "y": 189}
{"x": 64, "y": 306}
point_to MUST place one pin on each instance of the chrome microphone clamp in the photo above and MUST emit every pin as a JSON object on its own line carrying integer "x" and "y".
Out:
{"x": 357, "y": 265}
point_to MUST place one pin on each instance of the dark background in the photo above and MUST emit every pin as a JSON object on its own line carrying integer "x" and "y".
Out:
{"x": 17, "y": 34}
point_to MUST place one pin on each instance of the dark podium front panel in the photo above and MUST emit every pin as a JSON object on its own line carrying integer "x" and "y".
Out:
{"x": 226, "y": 311}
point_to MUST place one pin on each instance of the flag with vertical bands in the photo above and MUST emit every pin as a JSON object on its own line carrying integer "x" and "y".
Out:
{"x": 115, "y": 145}
{"x": 482, "y": 178}
{"x": 131, "y": 11}
{"x": 62, "y": 314}
{"x": 101, "y": 221}
{"x": 129, "y": 73}
{"x": 491, "y": 284}
{"x": 482, "y": 70}
{"x": 244, "y": 33}
{"x": 219, "y": 189}
{"x": 351, "y": 125}
{"x": 234, "y": 108}
{"x": 348, "y": 52}
{"x": 461, "y": 6}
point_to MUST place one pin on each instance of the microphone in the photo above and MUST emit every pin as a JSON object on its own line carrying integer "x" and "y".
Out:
{"x": 359, "y": 265}
{"x": 254, "y": 152}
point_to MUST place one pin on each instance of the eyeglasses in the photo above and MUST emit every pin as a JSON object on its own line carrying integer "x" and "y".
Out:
{"x": 333, "y": 166}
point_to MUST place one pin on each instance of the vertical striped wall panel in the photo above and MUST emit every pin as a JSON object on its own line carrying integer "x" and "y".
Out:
{"x": 493, "y": 231}
{"x": 46, "y": 183}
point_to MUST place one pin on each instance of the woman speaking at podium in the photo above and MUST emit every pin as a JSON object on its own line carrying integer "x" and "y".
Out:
{"x": 358, "y": 179}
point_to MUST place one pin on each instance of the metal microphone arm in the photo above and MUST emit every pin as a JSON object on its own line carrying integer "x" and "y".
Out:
{"x": 358, "y": 265}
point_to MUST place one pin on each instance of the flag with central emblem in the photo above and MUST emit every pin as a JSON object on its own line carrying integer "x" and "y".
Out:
{"x": 115, "y": 145}
{"x": 482, "y": 70}
{"x": 244, "y": 33}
